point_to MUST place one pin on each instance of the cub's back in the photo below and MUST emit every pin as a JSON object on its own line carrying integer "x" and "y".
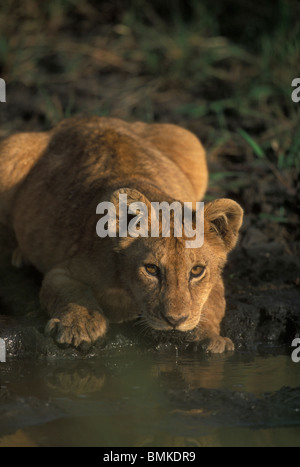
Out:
{"x": 51, "y": 182}
{"x": 18, "y": 154}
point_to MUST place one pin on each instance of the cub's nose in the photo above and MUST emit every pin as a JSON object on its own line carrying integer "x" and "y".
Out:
{"x": 175, "y": 321}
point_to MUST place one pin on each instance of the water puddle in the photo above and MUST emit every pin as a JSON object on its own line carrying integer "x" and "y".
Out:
{"x": 168, "y": 398}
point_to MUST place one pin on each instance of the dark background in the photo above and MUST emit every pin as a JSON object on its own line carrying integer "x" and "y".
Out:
{"x": 222, "y": 69}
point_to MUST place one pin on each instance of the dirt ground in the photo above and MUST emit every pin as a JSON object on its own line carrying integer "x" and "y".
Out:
{"x": 226, "y": 79}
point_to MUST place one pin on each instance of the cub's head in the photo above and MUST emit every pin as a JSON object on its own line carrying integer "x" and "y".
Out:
{"x": 169, "y": 282}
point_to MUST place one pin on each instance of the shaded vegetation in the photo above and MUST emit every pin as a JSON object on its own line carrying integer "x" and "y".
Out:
{"x": 215, "y": 67}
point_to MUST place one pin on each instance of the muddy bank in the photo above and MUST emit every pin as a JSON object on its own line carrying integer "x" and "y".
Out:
{"x": 263, "y": 306}
{"x": 252, "y": 320}
{"x": 262, "y": 283}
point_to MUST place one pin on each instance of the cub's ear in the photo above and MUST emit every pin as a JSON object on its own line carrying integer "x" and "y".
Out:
{"x": 132, "y": 215}
{"x": 224, "y": 217}
{"x": 133, "y": 196}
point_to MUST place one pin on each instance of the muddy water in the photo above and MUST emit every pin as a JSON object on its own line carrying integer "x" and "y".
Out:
{"x": 165, "y": 398}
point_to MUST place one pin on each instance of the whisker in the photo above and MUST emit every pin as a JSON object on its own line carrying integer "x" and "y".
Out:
{"x": 142, "y": 325}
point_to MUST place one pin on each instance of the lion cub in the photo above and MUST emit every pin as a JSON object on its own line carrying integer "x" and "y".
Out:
{"x": 50, "y": 186}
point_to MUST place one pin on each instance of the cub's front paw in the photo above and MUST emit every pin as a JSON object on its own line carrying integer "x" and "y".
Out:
{"x": 217, "y": 344}
{"x": 211, "y": 342}
{"x": 77, "y": 328}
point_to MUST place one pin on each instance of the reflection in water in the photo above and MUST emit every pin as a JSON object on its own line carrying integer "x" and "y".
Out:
{"x": 127, "y": 399}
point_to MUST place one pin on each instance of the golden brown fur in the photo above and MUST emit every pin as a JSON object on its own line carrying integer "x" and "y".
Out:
{"x": 50, "y": 185}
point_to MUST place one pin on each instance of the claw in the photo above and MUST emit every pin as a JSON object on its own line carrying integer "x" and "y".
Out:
{"x": 73, "y": 329}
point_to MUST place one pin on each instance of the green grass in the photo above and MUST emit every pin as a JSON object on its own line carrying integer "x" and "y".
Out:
{"x": 257, "y": 150}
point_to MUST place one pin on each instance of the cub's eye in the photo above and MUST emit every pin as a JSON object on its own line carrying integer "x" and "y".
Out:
{"x": 152, "y": 269}
{"x": 197, "y": 271}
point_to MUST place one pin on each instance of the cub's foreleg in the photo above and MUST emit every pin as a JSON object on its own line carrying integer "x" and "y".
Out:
{"x": 76, "y": 317}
